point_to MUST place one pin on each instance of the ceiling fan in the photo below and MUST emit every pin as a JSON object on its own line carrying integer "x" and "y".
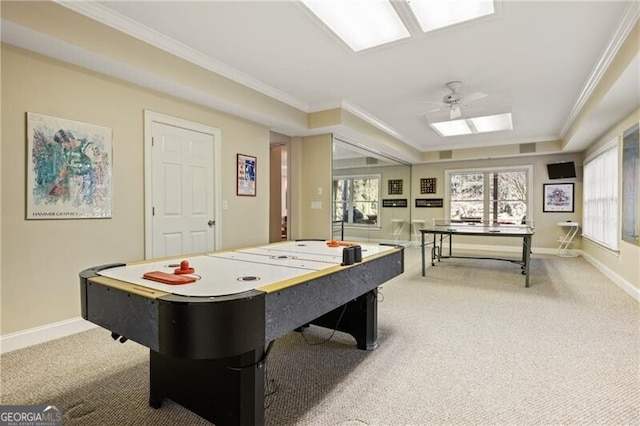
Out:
{"x": 455, "y": 100}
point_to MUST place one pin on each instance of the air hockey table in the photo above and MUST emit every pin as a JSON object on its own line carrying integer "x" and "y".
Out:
{"x": 209, "y": 339}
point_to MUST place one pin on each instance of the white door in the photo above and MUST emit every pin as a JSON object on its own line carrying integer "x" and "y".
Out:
{"x": 183, "y": 213}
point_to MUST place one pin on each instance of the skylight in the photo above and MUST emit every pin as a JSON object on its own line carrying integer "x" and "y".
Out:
{"x": 363, "y": 24}
{"x": 452, "y": 128}
{"x": 492, "y": 123}
{"x": 468, "y": 126}
{"x": 438, "y": 14}
{"x": 360, "y": 23}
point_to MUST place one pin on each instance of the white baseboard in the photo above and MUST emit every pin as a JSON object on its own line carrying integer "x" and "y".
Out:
{"x": 632, "y": 290}
{"x": 45, "y": 333}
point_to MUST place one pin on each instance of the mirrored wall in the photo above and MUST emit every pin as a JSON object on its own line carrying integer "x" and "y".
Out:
{"x": 371, "y": 195}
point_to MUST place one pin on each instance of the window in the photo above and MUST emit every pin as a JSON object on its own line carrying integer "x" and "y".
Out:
{"x": 356, "y": 199}
{"x": 600, "y": 197}
{"x": 499, "y": 195}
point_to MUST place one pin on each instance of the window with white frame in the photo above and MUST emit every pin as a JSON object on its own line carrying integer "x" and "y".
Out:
{"x": 600, "y": 196}
{"x": 357, "y": 199}
{"x": 497, "y": 195}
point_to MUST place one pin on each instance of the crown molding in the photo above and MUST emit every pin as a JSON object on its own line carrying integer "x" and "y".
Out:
{"x": 510, "y": 143}
{"x": 627, "y": 22}
{"x": 363, "y": 115}
{"x": 374, "y": 121}
{"x": 121, "y": 23}
{"x": 26, "y": 38}
{"x": 130, "y": 27}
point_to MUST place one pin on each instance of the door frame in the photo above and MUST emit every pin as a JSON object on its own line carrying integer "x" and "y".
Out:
{"x": 151, "y": 117}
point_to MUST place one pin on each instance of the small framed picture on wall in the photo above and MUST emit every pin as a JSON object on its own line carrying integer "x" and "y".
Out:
{"x": 428, "y": 185}
{"x": 395, "y": 187}
{"x": 558, "y": 197}
{"x": 246, "y": 183}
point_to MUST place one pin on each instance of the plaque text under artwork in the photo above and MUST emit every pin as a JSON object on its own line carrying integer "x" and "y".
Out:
{"x": 397, "y": 202}
{"x": 395, "y": 186}
{"x": 428, "y": 185}
{"x": 429, "y": 202}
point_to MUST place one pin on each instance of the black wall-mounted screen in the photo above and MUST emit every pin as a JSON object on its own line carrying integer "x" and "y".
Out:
{"x": 561, "y": 170}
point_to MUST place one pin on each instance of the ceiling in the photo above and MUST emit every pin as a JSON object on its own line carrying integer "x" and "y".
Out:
{"x": 539, "y": 60}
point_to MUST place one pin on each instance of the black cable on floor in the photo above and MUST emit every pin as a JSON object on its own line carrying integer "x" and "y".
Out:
{"x": 322, "y": 342}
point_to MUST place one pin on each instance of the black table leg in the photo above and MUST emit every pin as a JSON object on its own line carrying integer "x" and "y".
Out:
{"x": 434, "y": 249}
{"x": 227, "y": 391}
{"x": 526, "y": 253}
{"x": 358, "y": 317}
{"x": 422, "y": 252}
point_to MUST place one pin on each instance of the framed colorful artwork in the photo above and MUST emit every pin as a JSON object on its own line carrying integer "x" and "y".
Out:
{"x": 68, "y": 170}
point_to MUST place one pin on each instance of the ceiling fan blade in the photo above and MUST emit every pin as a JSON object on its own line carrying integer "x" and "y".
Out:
{"x": 474, "y": 97}
{"x": 455, "y": 112}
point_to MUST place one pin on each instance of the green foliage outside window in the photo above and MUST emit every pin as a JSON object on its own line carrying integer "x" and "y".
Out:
{"x": 356, "y": 199}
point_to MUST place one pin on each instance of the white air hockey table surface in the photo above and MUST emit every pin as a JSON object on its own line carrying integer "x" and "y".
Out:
{"x": 237, "y": 271}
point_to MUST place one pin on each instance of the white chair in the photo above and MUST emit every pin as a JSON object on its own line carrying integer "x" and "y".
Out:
{"x": 564, "y": 250}
{"x": 397, "y": 226}
{"x": 416, "y": 224}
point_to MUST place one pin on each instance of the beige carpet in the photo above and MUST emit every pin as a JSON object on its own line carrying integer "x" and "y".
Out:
{"x": 467, "y": 345}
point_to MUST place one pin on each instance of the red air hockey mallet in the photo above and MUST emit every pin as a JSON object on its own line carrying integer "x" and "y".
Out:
{"x": 184, "y": 268}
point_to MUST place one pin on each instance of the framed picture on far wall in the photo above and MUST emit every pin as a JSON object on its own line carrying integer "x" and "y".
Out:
{"x": 558, "y": 197}
{"x": 246, "y": 183}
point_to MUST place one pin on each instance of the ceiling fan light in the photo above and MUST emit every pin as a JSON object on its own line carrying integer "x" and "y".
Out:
{"x": 361, "y": 24}
{"x": 438, "y": 14}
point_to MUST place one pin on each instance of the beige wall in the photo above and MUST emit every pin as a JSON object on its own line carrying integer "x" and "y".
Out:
{"x": 41, "y": 258}
{"x": 313, "y": 176}
{"x": 625, "y": 263}
{"x": 547, "y": 230}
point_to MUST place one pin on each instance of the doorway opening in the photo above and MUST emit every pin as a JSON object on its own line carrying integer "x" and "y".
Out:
{"x": 279, "y": 221}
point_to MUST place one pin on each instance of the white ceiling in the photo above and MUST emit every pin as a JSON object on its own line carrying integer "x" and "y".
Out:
{"x": 538, "y": 60}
